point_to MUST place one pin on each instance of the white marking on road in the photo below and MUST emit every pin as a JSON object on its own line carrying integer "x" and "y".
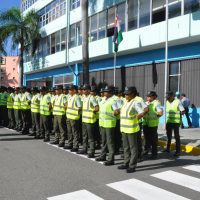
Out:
{"x": 179, "y": 179}
{"x": 143, "y": 191}
{"x": 78, "y": 195}
{"x": 80, "y": 155}
{"x": 195, "y": 168}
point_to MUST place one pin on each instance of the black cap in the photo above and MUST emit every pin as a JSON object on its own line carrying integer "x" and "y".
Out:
{"x": 93, "y": 88}
{"x": 80, "y": 87}
{"x": 59, "y": 87}
{"x": 101, "y": 90}
{"x": 151, "y": 94}
{"x": 73, "y": 87}
{"x": 86, "y": 87}
{"x": 43, "y": 88}
{"x": 108, "y": 89}
{"x": 130, "y": 90}
{"x": 170, "y": 94}
{"x": 34, "y": 89}
{"x": 65, "y": 87}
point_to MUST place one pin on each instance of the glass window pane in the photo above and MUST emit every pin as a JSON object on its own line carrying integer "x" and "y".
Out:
{"x": 53, "y": 43}
{"x": 121, "y": 9}
{"x": 63, "y": 39}
{"x": 72, "y": 39}
{"x": 78, "y": 34}
{"x": 173, "y": 83}
{"x": 174, "y": 8}
{"x": 174, "y": 68}
{"x": 102, "y": 25}
{"x": 144, "y": 13}
{"x": 48, "y": 45}
{"x": 158, "y": 11}
{"x": 132, "y": 14}
{"x": 93, "y": 28}
{"x": 191, "y": 6}
{"x": 57, "y": 35}
{"x": 111, "y": 22}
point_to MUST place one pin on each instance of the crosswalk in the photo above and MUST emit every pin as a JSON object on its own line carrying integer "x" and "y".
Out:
{"x": 137, "y": 189}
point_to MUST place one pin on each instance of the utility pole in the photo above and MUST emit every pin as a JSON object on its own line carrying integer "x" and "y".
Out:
{"x": 85, "y": 50}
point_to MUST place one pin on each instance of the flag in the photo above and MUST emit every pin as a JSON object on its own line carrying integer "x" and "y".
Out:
{"x": 118, "y": 37}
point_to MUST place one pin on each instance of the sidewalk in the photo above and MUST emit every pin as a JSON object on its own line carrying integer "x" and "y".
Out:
{"x": 190, "y": 140}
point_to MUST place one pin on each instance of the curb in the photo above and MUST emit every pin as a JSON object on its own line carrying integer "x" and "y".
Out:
{"x": 184, "y": 148}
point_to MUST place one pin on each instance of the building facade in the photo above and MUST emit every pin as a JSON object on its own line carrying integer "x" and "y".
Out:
{"x": 141, "y": 56}
{"x": 9, "y": 67}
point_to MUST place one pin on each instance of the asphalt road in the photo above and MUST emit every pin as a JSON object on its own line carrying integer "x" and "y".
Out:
{"x": 33, "y": 170}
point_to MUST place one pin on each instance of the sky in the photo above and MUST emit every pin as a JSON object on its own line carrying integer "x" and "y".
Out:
{"x": 6, "y": 4}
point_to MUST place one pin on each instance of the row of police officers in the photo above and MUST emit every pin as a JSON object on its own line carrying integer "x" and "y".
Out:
{"x": 111, "y": 121}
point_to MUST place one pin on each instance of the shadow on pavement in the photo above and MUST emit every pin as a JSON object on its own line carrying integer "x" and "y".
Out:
{"x": 10, "y": 134}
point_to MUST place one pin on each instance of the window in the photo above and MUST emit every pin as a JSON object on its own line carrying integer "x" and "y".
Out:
{"x": 102, "y": 25}
{"x": 63, "y": 39}
{"x": 53, "y": 44}
{"x": 121, "y": 9}
{"x": 110, "y": 22}
{"x": 78, "y": 34}
{"x": 158, "y": 11}
{"x": 132, "y": 14}
{"x": 75, "y": 4}
{"x": 174, "y": 76}
{"x": 72, "y": 38}
{"x": 93, "y": 28}
{"x": 144, "y": 19}
{"x": 57, "y": 38}
{"x": 174, "y": 8}
{"x": 190, "y": 6}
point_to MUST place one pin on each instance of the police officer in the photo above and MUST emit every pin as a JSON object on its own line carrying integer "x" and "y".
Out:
{"x": 25, "y": 109}
{"x": 59, "y": 114}
{"x": 151, "y": 120}
{"x": 17, "y": 109}
{"x": 73, "y": 109}
{"x": 45, "y": 114}
{"x": 35, "y": 113}
{"x": 131, "y": 112}
{"x": 107, "y": 122}
{"x": 173, "y": 109}
{"x": 90, "y": 107}
{"x": 10, "y": 102}
{"x": 3, "y": 105}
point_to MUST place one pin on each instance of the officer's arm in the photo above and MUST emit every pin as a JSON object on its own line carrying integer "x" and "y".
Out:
{"x": 159, "y": 110}
{"x": 181, "y": 108}
{"x": 140, "y": 111}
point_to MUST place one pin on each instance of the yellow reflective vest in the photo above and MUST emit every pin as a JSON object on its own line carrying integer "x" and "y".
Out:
{"x": 17, "y": 102}
{"x": 44, "y": 105}
{"x": 58, "y": 106}
{"x": 10, "y": 101}
{"x": 35, "y": 104}
{"x": 128, "y": 118}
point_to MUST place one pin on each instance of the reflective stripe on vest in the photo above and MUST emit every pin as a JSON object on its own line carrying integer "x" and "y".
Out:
{"x": 72, "y": 110}
{"x": 173, "y": 112}
{"x": 88, "y": 115}
{"x": 58, "y": 107}
{"x": 106, "y": 114}
{"x": 35, "y": 105}
{"x": 128, "y": 119}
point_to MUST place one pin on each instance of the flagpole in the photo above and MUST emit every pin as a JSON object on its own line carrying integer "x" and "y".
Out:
{"x": 166, "y": 64}
{"x": 115, "y": 57}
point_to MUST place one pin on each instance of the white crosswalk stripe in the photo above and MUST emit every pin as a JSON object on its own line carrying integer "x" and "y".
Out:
{"x": 195, "y": 168}
{"x": 143, "y": 191}
{"x": 77, "y": 195}
{"x": 179, "y": 179}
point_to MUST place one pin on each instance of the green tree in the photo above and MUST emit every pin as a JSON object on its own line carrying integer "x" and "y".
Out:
{"x": 23, "y": 31}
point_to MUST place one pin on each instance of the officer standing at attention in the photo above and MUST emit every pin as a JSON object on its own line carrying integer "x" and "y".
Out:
{"x": 173, "y": 109}
{"x": 17, "y": 109}
{"x": 130, "y": 114}
{"x": 152, "y": 120}
{"x": 108, "y": 124}
{"x": 59, "y": 114}
{"x": 73, "y": 109}
{"x": 90, "y": 107}
{"x": 25, "y": 108}
{"x": 35, "y": 113}
{"x": 45, "y": 114}
{"x": 3, "y": 104}
{"x": 10, "y": 102}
